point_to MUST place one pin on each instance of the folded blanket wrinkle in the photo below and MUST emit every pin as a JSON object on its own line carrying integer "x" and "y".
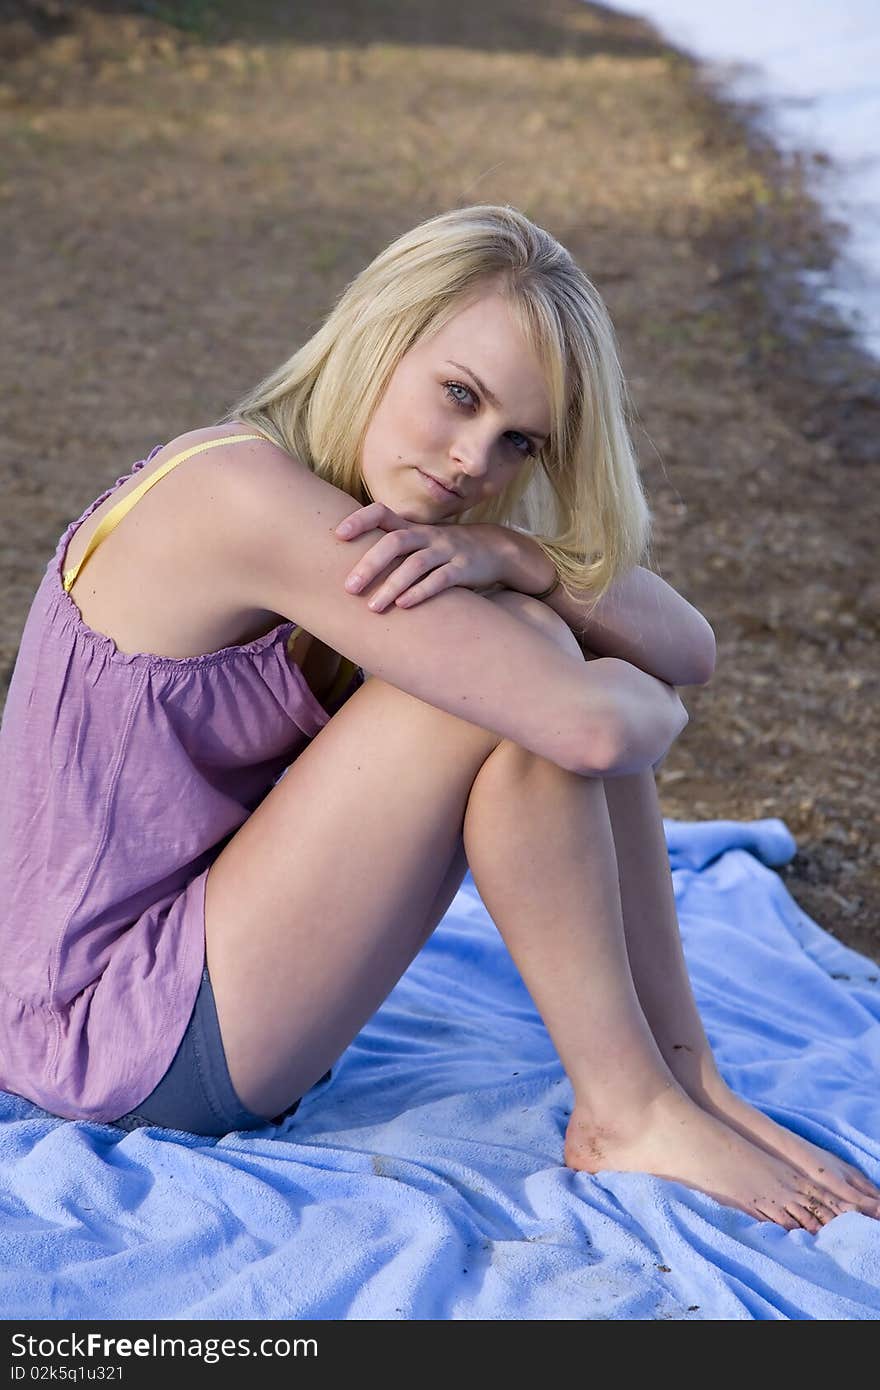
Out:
{"x": 425, "y": 1179}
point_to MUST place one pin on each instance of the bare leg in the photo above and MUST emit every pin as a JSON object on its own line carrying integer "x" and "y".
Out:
{"x": 661, "y": 979}
{"x": 540, "y": 846}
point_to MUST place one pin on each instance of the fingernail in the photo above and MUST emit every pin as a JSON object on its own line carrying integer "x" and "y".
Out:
{"x": 344, "y": 529}
{"x": 354, "y": 583}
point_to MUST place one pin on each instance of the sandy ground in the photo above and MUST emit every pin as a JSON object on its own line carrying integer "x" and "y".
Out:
{"x": 183, "y": 196}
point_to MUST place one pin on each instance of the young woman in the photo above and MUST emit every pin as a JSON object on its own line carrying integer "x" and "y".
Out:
{"x": 265, "y": 713}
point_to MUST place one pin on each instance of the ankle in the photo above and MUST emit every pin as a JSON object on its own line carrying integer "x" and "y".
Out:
{"x": 621, "y": 1110}
{"x": 695, "y": 1070}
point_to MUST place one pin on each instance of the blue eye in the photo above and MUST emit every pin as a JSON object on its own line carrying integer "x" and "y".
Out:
{"x": 529, "y": 449}
{"x": 452, "y": 386}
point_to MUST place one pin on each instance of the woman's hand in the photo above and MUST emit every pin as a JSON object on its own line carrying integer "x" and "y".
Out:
{"x": 438, "y": 557}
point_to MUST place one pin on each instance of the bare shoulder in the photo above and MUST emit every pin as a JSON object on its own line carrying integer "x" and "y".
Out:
{"x": 281, "y": 519}
{"x": 216, "y": 489}
{"x": 199, "y": 498}
{"x": 161, "y": 579}
{"x": 260, "y": 488}
{"x": 228, "y": 443}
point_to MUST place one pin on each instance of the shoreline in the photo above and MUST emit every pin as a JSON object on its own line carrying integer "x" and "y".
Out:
{"x": 798, "y": 336}
{"x": 755, "y": 413}
{"x": 797, "y": 345}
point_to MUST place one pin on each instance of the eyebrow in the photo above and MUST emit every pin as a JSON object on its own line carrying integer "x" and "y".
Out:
{"x": 490, "y": 395}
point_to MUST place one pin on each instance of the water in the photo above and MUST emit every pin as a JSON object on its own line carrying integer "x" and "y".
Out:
{"x": 813, "y": 66}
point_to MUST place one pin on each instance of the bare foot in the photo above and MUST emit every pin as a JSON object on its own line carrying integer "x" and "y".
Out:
{"x": 821, "y": 1167}
{"x": 674, "y": 1138}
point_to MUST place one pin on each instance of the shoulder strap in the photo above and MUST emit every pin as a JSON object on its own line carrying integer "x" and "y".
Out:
{"x": 125, "y": 504}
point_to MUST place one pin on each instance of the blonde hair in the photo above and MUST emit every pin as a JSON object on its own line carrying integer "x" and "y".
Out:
{"x": 581, "y": 497}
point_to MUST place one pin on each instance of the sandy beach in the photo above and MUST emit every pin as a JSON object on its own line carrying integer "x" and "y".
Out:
{"x": 185, "y": 197}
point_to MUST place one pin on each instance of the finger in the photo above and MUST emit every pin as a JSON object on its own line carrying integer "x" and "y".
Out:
{"x": 442, "y": 577}
{"x": 373, "y": 515}
{"x": 385, "y": 552}
{"x": 363, "y": 519}
{"x": 437, "y": 582}
{"x": 404, "y": 581}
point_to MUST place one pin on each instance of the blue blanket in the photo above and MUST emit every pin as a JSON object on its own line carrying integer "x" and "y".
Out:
{"x": 425, "y": 1179}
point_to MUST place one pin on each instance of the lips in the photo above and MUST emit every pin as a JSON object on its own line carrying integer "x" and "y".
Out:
{"x": 451, "y": 490}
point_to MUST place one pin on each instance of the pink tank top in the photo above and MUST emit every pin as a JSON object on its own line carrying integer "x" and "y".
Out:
{"x": 123, "y": 776}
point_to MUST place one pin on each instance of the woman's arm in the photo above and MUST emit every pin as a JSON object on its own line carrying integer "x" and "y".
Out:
{"x": 641, "y": 619}
{"x": 459, "y": 652}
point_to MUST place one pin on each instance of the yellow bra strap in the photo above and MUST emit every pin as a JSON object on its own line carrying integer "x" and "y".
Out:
{"x": 115, "y": 514}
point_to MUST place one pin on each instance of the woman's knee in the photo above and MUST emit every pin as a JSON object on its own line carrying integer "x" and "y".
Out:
{"x": 531, "y": 610}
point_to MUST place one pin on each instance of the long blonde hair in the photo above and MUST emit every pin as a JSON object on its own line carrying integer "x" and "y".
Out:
{"x": 581, "y": 498}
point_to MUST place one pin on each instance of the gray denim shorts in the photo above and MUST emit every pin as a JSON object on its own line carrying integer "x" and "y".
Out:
{"x": 196, "y": 1093}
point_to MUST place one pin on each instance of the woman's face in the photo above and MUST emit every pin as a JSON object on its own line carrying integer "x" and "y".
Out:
{"x": 469, "y": 406}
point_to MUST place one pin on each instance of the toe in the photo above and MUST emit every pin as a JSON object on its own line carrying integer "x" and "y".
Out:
{"x": 805, "y": 1215}
{"x": 860, "y": 1201}
{"x": 846, "y": 1187}
{"x": 775, "y": 1212}
{"x": 839, "y": 1205}
{"x": 861, "y": 1183}
{"x": 840, "y": 1174}
{"x": 823, "y": 1203}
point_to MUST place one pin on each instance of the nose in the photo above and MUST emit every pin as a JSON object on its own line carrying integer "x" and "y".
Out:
{"x": 472, "y": 451}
